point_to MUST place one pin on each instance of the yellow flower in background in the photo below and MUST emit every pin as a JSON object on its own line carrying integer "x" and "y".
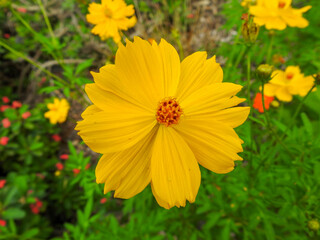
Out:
{"x": 110, "y": 17}
{"x": 155, "y": 120}
{"x": 58, "y": 111}
{"x": 247, "y": 3}
{"x": 277, "y": 14}
{"x": 286, "y": 83}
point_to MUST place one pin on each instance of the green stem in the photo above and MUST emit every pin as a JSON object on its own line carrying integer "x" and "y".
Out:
{"x": 250, "y": 164}
{"x": 33, "y": 32}
{"x": 270, "y": 126}
{"x": 249, "y": 76}
{"x": 297, "y": 112}
{"x": 29, "y": 60}
{"x": 46, "y": 19}
{"x": 270, "y": 49}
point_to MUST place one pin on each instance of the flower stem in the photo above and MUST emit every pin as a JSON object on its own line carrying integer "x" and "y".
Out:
{"x": 29, "y": 60}
{"x": 270, "y": 49}
{"x": 249, "y": 103}
{"x": 46, "y": 19}
{"x": 297, "y": 112}
{"x": 270, "y": 126}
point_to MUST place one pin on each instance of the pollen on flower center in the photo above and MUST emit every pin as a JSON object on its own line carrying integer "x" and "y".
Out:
{"x": 108, "y": 12}
{"x": 289, "y": 76}
{"x": 281, "y": 4}
{"x": 168, "y": 111}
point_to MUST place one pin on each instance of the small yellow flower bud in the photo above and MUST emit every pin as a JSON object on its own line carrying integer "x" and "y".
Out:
{"x": 250, "y": 30}
{"x": 314, "y": 225}
{"x": 275, "y": 103}
{"x": 57, "y": 173}
{"x": 264, "y": 71}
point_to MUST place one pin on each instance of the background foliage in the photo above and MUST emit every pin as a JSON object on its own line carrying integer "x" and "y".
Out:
{"x": 47, "y": 51}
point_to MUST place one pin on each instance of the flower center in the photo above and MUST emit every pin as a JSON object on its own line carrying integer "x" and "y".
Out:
{"x": 281, "y": 4}
{"x": 289, "y": 76}
{"x": 107, "y": 12}
{"x": 168, "y": 111}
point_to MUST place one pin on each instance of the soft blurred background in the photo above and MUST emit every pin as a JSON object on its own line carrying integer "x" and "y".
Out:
{"x": 47, "y": 181}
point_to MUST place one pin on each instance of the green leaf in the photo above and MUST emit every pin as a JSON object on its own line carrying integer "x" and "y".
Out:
{"x": 88, "y": 207}
{"x": 82, "y": 66}
{"x": 307, "y": 123}
{"x": 48, "y": 89}
{"x": 13, "y": 213}
{"x": 30, "y": 233}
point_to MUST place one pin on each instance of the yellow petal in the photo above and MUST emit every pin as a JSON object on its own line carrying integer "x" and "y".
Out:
{"x": 294, "y": 20}
{"x": 283, "y": 94}
{"x": 118, "y": 126}
{"x": 197, "y": 72}
{"x": 127, "y": 172}
{"x": 278, "y": 78}
{"x": 214, "y": 144}
{"x": 174, "y": 170}
{"x": 270, "y": 89}
{"x": 275, "y": 23}
{"x": 139, "y": 70}
{"x": 170, "y": 66}
{"x": 90, "y": 110}
{"x": 210, "y": 99}
{"x": 232, "y": 117}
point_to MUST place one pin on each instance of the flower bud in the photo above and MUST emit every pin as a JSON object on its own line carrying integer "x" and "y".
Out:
{"x": 264, "y": 72}
{"x": 314, "y": 225}
{"x": 249, "y": 30}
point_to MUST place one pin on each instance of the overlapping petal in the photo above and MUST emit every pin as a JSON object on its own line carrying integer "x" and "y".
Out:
{"x": 174, "y": 169}
{"x": 210, "y": 99}
{"x": 117, "y": 127}
{"x": 214, "y": 143}
{"x": 127, "y": 172}
{"x": 197, "y": 72}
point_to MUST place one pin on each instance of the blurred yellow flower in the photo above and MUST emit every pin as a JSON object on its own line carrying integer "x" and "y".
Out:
{"x": 110, "y": 17}
{"x": 155, "y": 119}
{"x": 286, "y": 83}
{"x": 277, "y": 14}
{"x": 58, "y": 111}
{"x": 247, "y": 3}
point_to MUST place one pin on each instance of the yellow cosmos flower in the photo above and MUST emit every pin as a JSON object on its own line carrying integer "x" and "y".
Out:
{"x": 286, "y": 83}
{"x": 58, "y": 111}
{"x": 247, "y": 3}
{"x": 277, "y": 14}
{"x": 155, "y": 119}
{"x": 110, "y": 17}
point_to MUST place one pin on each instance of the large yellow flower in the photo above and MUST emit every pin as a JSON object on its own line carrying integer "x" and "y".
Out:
{"x": 110, "y": 17}
{"x": 286, "y": 83}
{"x": 58, "y": 111}
{"x": 154, "y": 119}
{"x": 277, "y": 14}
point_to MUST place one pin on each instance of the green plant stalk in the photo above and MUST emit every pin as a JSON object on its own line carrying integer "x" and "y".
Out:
{"x": 270, "y": 126}
{"x": 31, "y": 30}
{"x": 46, "y": 19}
{"x": 53, "y": 37}
{"x": 29, "y": 60}
{"x": 297, "y": 112}
{"x": 249, "y": 103}
{"x": 270, "y": 49}
{"x": 178, "y": 41}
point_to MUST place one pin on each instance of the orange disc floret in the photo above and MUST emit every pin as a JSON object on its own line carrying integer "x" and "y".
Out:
{"x": 169, "y": 111}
